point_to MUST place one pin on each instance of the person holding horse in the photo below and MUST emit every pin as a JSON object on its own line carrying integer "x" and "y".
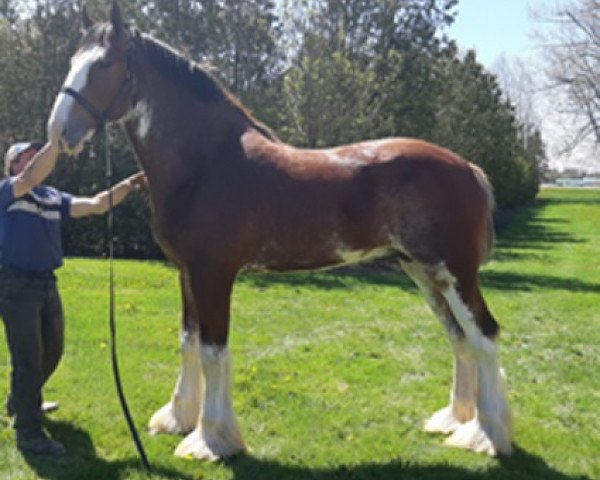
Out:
{"x": 30, "y": 251}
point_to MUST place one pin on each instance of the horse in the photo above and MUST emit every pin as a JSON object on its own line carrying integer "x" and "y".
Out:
{"x": 227, "y": 195}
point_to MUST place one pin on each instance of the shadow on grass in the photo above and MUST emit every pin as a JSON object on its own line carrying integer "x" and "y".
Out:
{"x": 338, "y": 279}
{"x": 349, "y": 279}
{"x": 82, "y": 462}
{"x": 528, "y": 230}
{"x": 520, "y": 466}
{"x": 509, "y": 281}
{"x": 579, "y": 197}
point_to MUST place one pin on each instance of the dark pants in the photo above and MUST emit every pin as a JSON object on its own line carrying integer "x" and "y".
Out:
{"x": 31, "y": 308}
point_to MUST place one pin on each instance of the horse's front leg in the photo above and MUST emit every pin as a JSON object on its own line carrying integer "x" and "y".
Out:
{"x": 217, "y": 434}
{"x": 180, "y": 415}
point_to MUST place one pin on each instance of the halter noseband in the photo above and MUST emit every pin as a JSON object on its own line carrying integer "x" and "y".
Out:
{"x": 100, "y": 117}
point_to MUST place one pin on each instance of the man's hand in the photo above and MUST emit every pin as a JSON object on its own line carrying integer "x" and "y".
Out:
{"x": 137, "y": 181}
{"x": 99, "y": 204}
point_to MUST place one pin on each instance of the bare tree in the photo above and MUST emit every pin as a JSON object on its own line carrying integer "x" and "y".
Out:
{"x": 572, "y": 51}
{"x": 519, "y": 84}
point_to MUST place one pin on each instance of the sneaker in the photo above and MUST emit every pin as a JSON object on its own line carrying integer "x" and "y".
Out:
{"x": 49, "y": 407}
{"x": 41, "y": 444}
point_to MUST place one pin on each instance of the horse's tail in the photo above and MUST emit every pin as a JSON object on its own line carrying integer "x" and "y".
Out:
{"x": 488, "y": 190}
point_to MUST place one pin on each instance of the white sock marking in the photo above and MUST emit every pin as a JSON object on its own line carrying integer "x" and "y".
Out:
{"x": 188, "y": 385}
{"x": 180, "y": 415}
{"x": 217, "y": 434}
{"x": 490, "y": 432}
{"x": 217, "y": 373}
{"x": 464, "y": 385}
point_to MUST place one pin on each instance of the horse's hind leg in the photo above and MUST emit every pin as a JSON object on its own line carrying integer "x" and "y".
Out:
{"x": 491, "y": 429}
{"x": 463, "y": 395}
{"x": 464, "y": 386}
{"x": 180, "y": 415}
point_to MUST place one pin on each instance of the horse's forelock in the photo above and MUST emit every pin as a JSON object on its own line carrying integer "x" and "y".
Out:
{"x": 98, "y": 34}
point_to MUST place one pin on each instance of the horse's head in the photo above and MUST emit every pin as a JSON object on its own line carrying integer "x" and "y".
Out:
{"x": 97, "y": 88}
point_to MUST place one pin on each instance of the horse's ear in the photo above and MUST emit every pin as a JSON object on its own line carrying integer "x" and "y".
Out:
{"x": 115, "y": 18}
{"x": 86, "y": 21}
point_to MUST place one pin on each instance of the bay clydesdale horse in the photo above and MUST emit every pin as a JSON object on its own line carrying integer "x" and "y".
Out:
{"x": 227, "y": 195}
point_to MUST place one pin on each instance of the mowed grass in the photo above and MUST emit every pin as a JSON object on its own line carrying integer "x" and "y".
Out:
{"x": 334, "y": 373}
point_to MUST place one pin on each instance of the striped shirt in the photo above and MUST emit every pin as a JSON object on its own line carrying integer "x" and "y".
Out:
{"x": 30, "y": 227}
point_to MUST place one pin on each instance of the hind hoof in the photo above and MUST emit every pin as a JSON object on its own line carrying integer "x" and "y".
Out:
{"x": 473, "y": 436}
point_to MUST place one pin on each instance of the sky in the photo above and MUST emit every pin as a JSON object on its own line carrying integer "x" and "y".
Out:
{"x": 495, "y": 27}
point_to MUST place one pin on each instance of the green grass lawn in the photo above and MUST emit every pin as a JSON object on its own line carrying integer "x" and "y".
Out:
{"x": 334, "y": 373}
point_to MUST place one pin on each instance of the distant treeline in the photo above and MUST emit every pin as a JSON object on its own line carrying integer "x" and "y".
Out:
{"x": 319, "y": 72}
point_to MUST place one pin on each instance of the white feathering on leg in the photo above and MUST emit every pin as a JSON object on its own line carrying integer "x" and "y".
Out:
{"x": 490, "y": 431}
{"x": 217, "y": 434}
{"x": 462, "y": 397}
{"x": 180, "y": 415}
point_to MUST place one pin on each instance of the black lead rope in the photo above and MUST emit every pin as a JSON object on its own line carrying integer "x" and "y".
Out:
{"x": 100, "y": 119}
{"x": 113, "y": 329}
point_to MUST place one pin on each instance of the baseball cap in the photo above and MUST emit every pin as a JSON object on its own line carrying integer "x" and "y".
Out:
{"x": 17, "y": 149}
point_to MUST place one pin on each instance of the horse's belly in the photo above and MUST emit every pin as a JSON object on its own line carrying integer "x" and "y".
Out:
{"x": 310, "y": 262}
{"x": 350, "y": 257}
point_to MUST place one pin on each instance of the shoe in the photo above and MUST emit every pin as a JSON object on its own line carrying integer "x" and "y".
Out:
{"x": 41, "y": 444}
{"x": 47, "y": 407}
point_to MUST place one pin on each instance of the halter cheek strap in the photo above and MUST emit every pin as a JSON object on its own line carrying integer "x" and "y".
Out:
{"x": 100, "y": 117}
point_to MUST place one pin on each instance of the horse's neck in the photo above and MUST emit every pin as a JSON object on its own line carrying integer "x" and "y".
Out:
{"x": 173, "y": 133}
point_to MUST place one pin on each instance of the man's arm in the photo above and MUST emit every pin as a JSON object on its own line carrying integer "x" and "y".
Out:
{"x": 36, "y": 171}
{"x": 99, "y": 204}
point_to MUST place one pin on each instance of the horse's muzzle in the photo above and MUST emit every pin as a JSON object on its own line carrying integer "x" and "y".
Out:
{"x": 69, "y": 126}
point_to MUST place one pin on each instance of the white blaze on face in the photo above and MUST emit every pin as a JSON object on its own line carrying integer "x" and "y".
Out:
{"x": 76, "y": 79}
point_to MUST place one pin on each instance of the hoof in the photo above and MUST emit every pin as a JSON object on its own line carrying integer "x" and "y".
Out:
{"x": 175, "y": 418}
{"x": 442, "y": 421}
{"x": 211, "y": 446}
{"x": 473, "y": 436}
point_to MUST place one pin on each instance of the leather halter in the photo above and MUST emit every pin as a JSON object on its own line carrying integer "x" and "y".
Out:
{"x": 101, "y": 117}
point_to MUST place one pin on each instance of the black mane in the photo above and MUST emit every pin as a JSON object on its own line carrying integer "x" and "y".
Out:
{"x": 180, "y": 70}
{"x": 191, "y": 76}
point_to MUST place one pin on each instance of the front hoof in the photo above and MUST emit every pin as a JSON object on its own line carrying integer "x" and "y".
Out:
{"x": 173, "y": 418}
{"x": 473, "y": 436}
{"x": 442, "y": 421}
{"x": 209, "y": 446}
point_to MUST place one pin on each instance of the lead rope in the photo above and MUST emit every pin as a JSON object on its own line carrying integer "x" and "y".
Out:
{"x": 113, "y": 328}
